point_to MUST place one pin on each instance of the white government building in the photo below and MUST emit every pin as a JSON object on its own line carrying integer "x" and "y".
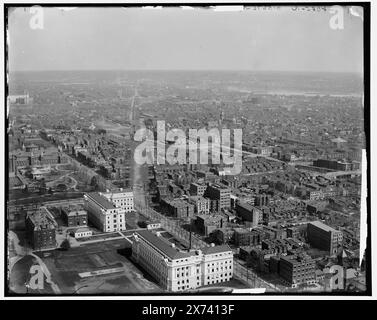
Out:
{"x": 122, "y": 198}
{"x": 107, "y": 210}
{"x": 176, "y": 270}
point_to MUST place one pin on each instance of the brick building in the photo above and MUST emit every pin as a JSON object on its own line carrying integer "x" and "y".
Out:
{"x": 324, "y": 237}
{"x": 297, "y": 269}
{"x": 40, "y": 229}
{"x": 221, "y": 193}
{"x": 74, "y": 216}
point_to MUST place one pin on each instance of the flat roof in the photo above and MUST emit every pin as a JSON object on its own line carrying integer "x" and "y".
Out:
{"x": 322, "y": 226}
{"x": 119, "y": 191}
{"x": 103, "y": 201}
{"x": 165, "y": 248}
{"x": 216, "y": 249}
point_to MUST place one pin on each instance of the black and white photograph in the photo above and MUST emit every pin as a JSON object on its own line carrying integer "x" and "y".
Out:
{"x": 187, "y": 150}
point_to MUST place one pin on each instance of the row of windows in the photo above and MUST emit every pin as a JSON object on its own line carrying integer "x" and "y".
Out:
{"x": 219, "y": 269}
{"x": 182, "y": 274}
{"x": 221, "y": 275}
{"x": 183, "y": 268}
{"x": 184, "y": 287}
{"x": 183, "y": 281}
{"x": 150, "y": 256}
{"x": 219, "y": 262}
{"x": 217, "y": 281}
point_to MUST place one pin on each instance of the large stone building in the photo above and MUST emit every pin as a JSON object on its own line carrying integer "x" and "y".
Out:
{"x": 103, "y": 213}
{"x": 122, "y": 199}
{"x": 40, "y": 229}
{"x": 176, "y": 270}
{"x": 324, "y": 237}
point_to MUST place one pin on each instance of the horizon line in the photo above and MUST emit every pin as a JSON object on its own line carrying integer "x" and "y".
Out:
{"x": 188, "y": 70}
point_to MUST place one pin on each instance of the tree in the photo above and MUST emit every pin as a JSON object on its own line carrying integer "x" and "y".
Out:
{"x": 65, "y": 245}
{"x": 61, "y": 187}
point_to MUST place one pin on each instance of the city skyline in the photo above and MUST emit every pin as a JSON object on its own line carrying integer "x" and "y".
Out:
{"x": 187, "y": 151}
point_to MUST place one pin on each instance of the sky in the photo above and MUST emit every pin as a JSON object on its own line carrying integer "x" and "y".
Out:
{"x": 175, "y": 39}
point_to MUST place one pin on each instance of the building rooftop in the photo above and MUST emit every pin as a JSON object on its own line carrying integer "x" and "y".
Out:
{"x": 297, "y": 259}
{"x": 101, "y": 200}
{"x": 42, "y": 219}
{"x": 246, "y": 206}
{"x": 81, "y": 230}
{"x": 322, "y": 226}
{"x": 119, "y": 191}
{"x": 216, "y": 249}
{"x": 164, "y": 247}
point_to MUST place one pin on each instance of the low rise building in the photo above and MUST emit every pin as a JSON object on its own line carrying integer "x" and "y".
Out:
{"x": 74, "y": 216}
{"x": 82, "y": 233}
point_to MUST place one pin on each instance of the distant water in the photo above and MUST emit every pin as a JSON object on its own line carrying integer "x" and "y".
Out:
{"x": 310, "y": 83}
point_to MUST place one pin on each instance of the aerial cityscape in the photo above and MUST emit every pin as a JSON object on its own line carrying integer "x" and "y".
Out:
{"x": 85, "y": 217}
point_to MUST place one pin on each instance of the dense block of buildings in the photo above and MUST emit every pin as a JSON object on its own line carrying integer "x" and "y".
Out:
{"x": 40, "y": 229}
{"x": 324, "y": 237}
{"x": 176, "y": 270}
{"x": 178, "y": 208}
{"x": 103, "y": 213}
